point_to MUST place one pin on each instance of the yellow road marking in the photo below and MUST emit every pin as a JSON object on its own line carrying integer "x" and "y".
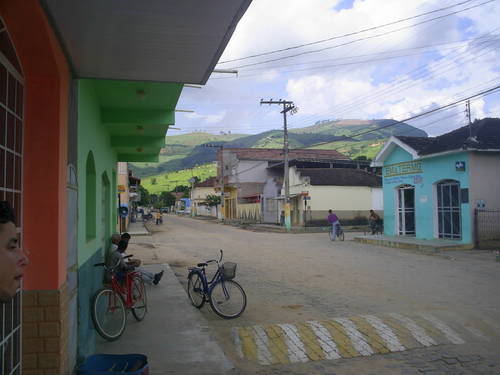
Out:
{"x": 248, "y": 346}
{"x": 374, "y": 340}
{"x": 402, "y": 332}
{"x": 313, "y": 349}
{"x": 346, "y": 349}
{"x": 277, "y": 345}
{"x": 431, "y": 331}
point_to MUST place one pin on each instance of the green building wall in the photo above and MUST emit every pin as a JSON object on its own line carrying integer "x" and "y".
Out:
{"x": 93, "y": 143}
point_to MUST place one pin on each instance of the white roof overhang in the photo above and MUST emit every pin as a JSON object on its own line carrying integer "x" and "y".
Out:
{"x": 389, "y": 147}
{"x": 147, "y": 40}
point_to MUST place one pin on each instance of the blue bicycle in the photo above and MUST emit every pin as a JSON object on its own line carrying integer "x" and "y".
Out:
{"x": 226, "y": 297}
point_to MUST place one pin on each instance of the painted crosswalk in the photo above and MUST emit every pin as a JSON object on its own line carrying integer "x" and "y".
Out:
{"x": 342, "y": 337}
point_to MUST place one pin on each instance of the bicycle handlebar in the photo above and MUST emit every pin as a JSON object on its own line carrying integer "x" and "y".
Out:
{"x": 213, "y": 260}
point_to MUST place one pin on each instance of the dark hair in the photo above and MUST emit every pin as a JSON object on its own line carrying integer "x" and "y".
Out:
{"x": 122, "y": 246}
{"x": 125, "y": 236}
{"x": 6, "y": 213}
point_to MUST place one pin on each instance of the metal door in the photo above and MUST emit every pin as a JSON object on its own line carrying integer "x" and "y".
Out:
{"x": 406, "y": 210}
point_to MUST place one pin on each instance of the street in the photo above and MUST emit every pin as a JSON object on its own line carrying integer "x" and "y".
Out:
{"x": 316, "y": 306}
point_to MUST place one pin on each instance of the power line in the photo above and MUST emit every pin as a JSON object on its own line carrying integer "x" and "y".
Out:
{"x": 344, "y": 35}
{"x": 483, "y": 93}
{"x": 363, "y": 38}
{"x": 420, "y": 73}
{"x": 340, "y": 64}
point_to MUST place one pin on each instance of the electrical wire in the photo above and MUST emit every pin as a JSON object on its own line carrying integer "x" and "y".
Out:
{"x": 483, "y": 93}
{"x": 420, "y": 73}
{"x": 361, "y": 39}
{"x": 344, "y": 35}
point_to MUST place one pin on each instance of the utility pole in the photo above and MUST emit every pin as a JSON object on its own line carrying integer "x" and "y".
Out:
{"x": 221, "y": 148}
{"x": 288, "y": 106}
{"x": 467, "y": 111}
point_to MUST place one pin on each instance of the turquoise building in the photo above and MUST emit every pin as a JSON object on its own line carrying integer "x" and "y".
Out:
{"x": 438, "y": 187}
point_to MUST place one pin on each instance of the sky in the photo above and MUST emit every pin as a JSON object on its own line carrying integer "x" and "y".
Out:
{"x": 394, "y": 71}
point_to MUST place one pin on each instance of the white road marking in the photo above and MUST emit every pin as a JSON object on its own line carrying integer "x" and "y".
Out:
{"x": 325, "y": 340}
{"x": 358, "y": 339}
{"x": 296, "y": 349}
{"x": 417, "y": 332}
{"x": 448, "y": 332}
{"x": 237, "y": 342}
{"x": 264, "y": 356}
{"x": 385, "y": 332}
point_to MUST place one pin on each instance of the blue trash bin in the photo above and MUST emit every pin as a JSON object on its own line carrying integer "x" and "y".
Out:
{"x": 115, "y": 364}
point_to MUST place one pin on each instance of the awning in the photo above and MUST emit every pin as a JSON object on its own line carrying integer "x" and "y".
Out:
{"x": 147, "y": 40}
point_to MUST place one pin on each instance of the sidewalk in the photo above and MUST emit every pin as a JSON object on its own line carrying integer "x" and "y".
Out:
{"x": 174, "y": 334}
{"x": 137, "y": 229}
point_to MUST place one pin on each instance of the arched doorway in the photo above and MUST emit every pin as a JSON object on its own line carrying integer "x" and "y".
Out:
{"x": 405, "y": 196}
{"x": 448, "y": 209}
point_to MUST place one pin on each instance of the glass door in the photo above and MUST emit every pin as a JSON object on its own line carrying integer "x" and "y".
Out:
{"x": 406, "y": 210}
{"x": 448, "y": 211}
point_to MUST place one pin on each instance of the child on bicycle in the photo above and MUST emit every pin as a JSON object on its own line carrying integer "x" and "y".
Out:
{"x": 334, "y": 221}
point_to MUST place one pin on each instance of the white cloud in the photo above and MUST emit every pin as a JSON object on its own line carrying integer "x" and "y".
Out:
{"x": 209, "y": 119}
{"x": 390, "y": 88}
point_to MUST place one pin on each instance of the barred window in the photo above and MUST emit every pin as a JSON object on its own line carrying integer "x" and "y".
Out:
{"x": 11, "y": 153}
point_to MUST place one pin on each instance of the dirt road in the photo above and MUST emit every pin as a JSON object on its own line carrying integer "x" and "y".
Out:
{"x": 291, "y": 279}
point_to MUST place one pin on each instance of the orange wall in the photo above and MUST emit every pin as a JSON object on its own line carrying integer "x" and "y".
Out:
{"x": 47, "y": 80}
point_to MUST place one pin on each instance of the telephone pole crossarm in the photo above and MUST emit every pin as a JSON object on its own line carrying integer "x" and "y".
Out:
{"x": 288, "y": 106}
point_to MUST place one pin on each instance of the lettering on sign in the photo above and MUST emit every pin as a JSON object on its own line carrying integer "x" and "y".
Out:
{"x": 411, "y": 167}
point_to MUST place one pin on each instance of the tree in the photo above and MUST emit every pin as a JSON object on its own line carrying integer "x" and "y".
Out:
{"x": 167, "y": 199}
{"x": 212, "y": 200}
{"x": 145, "y": 198}
{"x": 183, "y": 188}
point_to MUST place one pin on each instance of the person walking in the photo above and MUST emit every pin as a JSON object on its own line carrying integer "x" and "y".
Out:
{"x": 334, "y": 221}
{"x": 374, "y": 220}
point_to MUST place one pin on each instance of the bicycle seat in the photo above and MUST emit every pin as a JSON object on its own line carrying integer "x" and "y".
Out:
{"x": 202, "y": 264}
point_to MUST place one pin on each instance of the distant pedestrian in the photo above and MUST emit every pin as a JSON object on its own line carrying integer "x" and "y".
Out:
{"x": 374, "y": 220}
{"x": 334, "y": 221}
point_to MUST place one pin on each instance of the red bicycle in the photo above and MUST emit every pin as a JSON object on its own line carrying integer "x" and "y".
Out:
{"x": 110, "y": 303}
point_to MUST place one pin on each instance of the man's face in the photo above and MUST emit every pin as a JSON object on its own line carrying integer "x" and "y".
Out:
{"x": 13, "y": 260}
{"x": 115, "y": 238}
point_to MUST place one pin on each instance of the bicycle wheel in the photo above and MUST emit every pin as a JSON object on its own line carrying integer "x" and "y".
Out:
{"x": 108, "y": 314}
{"x": 228, "y": 299}
{"x": 195, "y": 290}
{"x": 340, "y": 235}
{"x": 139, "y": 299}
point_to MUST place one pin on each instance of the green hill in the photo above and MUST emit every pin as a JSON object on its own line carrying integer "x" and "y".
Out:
{"x": 189, "y": 150}
{"x": 168, "y": 181}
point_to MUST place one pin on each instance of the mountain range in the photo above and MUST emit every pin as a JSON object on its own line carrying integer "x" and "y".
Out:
{"x": 354, "y": 138}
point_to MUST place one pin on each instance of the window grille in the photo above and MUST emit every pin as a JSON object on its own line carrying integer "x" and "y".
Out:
{"x": 11, "y": 154}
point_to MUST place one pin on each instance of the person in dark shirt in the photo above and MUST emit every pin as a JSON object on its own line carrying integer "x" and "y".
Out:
{"x": 374, "y": 220}
{"x": 334, "y": 221}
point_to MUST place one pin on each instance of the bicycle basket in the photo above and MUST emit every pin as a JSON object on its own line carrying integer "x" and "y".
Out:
{"x": 228, "y": 270}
